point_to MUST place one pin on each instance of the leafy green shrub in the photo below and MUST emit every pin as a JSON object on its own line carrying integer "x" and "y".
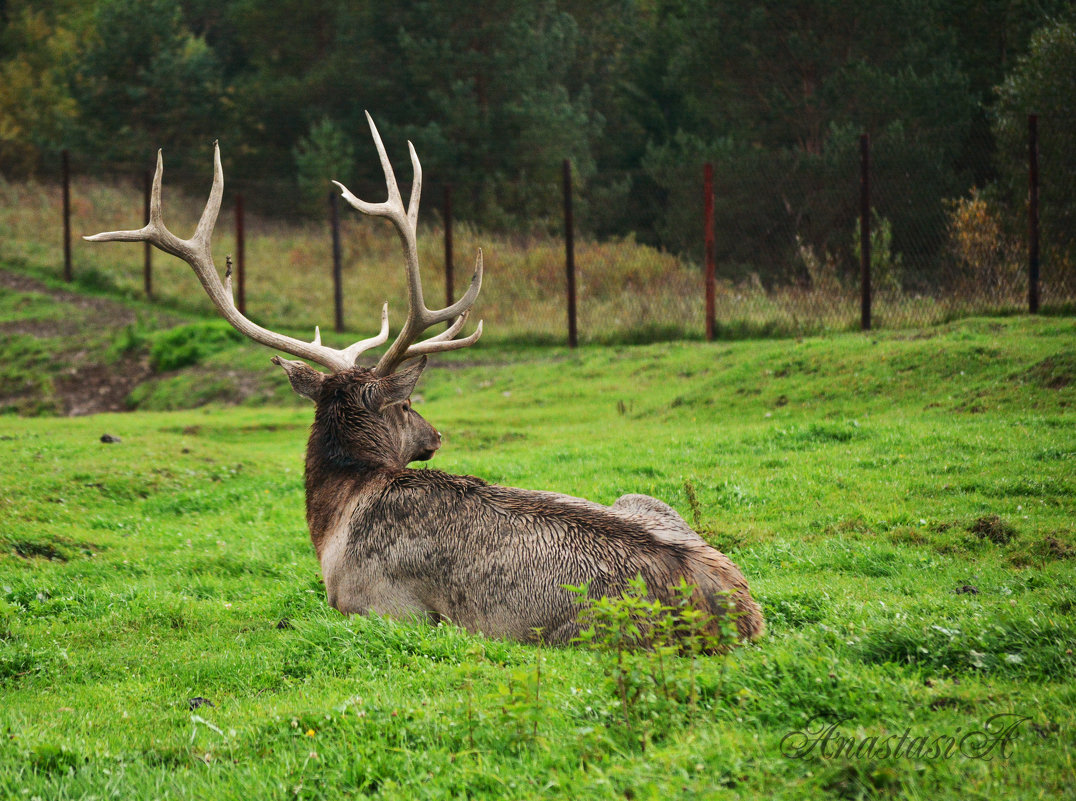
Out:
{"x": 190, "y": 344}
{"x": 133, "y": 338}
{"x": 657, "y": 647}
{"x": 887, "y": 265}
{"x": 520, "y": 700}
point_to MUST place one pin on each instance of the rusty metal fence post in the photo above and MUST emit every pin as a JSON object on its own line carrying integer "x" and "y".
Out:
{"x": 338, "y": 292}
{"x": 569, "y": 254}
{"x": 708, "y": 235}
{"x": 449, "y": 266}
{"x": 147, "y": 254}
{"x": 865, "y": 232}
{"x": 1033, "y": 213}
{"x": 240, "y": 254}
{"x": 65, "y": 165}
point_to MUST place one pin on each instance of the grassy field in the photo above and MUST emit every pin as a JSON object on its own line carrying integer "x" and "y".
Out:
{"x": 902, "y": 504}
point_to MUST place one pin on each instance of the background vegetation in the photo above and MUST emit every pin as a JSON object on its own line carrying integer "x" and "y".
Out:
{"x": 637, "y": 94}
{"x": 628, "y": 291}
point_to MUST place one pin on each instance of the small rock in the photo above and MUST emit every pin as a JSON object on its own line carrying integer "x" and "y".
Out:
{"x": 197, "y": 701}
{"x": 110, "y": 438}
{"x": 966, "y": 589}
{"x": 284, "y": 623}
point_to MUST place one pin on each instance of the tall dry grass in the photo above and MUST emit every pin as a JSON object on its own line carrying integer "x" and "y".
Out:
{"x": 623, "y": 286}
{"x": 626, "y": 291}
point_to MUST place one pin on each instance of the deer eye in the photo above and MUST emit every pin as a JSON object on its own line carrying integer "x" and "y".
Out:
{"x": 406, "y": 405}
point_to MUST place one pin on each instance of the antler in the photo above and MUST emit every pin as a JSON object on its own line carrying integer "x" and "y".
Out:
{"x": 197, "y": 253}
{"x": 419, "y": 318}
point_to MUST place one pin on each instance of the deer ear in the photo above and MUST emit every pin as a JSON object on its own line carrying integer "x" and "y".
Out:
{"x": 304, "y": 379}
{"x": 398, "y": 387}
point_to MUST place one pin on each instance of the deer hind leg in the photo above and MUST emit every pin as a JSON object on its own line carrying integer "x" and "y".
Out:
{"x": 711, "y": 571}
{"x": 658, "y": 517}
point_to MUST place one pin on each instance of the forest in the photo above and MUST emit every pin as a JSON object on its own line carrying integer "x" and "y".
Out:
{"x": 496, "y": 94}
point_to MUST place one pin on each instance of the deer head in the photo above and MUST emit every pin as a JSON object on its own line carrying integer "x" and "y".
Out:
{"x": 363, "y": 420}
{"x": 363, "y": 415}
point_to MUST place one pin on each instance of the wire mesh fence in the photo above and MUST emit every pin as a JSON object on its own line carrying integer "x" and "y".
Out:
{"x": 944, "y": 241}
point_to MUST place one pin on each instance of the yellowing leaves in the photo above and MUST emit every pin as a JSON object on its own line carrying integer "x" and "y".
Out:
{"x": 988, "y": 256}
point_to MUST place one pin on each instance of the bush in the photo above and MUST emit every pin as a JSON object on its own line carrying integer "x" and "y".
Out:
{"x": 987, "y": 257}
{"x": 190, "y": 344}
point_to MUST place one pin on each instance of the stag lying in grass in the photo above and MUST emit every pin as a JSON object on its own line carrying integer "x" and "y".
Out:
{"x": 404, "y": 542}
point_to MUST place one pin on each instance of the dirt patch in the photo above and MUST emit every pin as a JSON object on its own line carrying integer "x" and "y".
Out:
{"x": 1053, "y": 547}
{"x": 991, "y": 527}
{"x": 80, "y": 380}
{"x": 83, "y": 387}
{"x": 42, "y": 328}
{"x": 93, "y": 388}
{"x": 1057, "y": 548}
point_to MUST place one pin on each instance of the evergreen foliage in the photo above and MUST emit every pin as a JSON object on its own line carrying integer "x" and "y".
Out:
{"x": 495, "y": 94}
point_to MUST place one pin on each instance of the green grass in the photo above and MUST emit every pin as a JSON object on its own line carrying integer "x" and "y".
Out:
{"x": 901, "y": 503}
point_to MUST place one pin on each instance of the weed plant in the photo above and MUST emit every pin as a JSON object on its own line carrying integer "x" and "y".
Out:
{"x": 656, "y": 647}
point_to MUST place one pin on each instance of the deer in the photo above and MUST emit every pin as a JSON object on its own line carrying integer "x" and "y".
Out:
{"x": 421, "y": 543}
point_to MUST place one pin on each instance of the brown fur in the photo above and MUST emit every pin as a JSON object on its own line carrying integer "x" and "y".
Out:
{"x": 494, "y": 559}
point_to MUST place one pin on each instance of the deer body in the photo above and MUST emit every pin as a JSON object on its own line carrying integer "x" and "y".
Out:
{"x": 496, "y": 559}
{"x": 405, "y": 542}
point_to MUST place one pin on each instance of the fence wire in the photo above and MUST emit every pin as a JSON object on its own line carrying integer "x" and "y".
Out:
{"x": 946, "y": 241}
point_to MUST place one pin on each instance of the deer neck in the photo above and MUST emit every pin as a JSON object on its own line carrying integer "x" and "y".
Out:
{"x": 331, "y": 490}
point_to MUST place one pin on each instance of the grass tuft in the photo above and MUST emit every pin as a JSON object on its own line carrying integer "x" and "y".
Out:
{"x": 993, "y": 528}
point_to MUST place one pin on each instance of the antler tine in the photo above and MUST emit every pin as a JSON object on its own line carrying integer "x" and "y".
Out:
{"x": 419, "y": 317}
{"x": 155, "y": 192}
{"x": 416, "y": 188}
{"x": 197, "y": 252}
{"x": 448, "y": 333}
{"x": 382, "y": 337}
{"x": 441, "y": 342}
{"x": 204, "y": 232}
{"x": 464, "y": 304}
{"x": 419, "y": 320}
{"x": 386, "y": 165}
{"x": 153, "y": 231}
